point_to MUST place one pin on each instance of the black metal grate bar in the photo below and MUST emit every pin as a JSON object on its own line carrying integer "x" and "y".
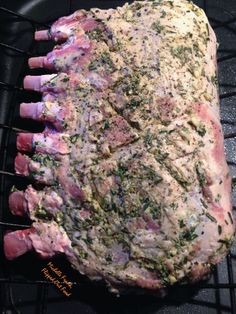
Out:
{"x": 11, "y": 299}
{"x": 227, "y": 85}
{"x": 232, "y": 135}
{"x": 218, "y": 24}
{"x": 205, "y": 6}
{"x": 223, "y": 50}
{"x": 223, "y": 24}
{"x": 7, "y": 224}
{"x": 25, "y": 281}
{"x": 226, "y": 122}
{"x": 42, "y": 298}
{"x": 4, "y": 126}
{"x": 10, "y": 86}
{"x": 6, "y": 173}
{"x": 226, "y": 58}
{"x": 216, "y": 286}
{"x": 70, "y": 7}
{"x": 15, "y": 49}
{"x": 23, "y": 17}
{"x": 228, "y": 95}
{"x": 231, "y": 280}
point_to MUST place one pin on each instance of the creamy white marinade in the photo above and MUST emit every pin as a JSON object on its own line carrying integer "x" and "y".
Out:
{"x": 137, "y": 179}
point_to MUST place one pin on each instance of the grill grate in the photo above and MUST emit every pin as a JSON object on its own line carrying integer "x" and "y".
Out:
{"x": 8, "y": 128}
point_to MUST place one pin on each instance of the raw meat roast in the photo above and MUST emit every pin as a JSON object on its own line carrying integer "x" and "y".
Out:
{"x": 137, "y": 190}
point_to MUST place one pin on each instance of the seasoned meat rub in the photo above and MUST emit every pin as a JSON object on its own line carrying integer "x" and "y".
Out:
{"x": 137, "y": 189}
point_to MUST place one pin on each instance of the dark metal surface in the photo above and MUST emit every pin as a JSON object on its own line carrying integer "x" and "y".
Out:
{"x": 22, "y": 288}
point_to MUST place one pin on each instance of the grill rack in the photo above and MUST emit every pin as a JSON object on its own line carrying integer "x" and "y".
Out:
{"x": 5, "y": 282}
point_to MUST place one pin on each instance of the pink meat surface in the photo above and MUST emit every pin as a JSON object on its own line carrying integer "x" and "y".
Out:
{"x": 46, "y": 239}
{"x": 137, "y": 190}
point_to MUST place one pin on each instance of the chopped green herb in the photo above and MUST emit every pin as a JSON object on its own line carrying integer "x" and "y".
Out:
{"x": 96, "y": 34}
{"x": 164, "y": 272}
{"x": 233, "y": 184}
{"x": 181, "y": 224}
{"x": 163, "y": 132}
{"x": 59, "y": 217}
{"x": 14, "y": 189}
{"x": 156, "y": 3}
{"x": 157, "y": 27}
{"x": 152, "y": 175}
{"x": 231, "y": 218}
{"x": 45, "y": 160}
{"x": 219, "y": 230}
{"x": 200, "y": 175}
{"x": 218, "y": 198}
{"x": 82, "y": 254}
{"x": 117, "y": 46}
{"x": 201, "y": 130}
{"x": 41, "y": 213}
{"x": 178, "y": 178}
{"x": 109, "y": 258}
{"x": 92, "y": 66}
{"x": 148, "y": 138}
{"x": 190, "y": 234}
{"x": 179, "y": 242}
{"x": 74, "y": 138}
{"x": 121, "y": 171}
{"x": 132, "y": 87}
{"x": 106, "y": 59}
{"x": 106, "y": 125}
{"x": 64, "y": 124}
{"x": 171, "y": 3}
{"x": 203, "y": 203}
{"x": 173, "y": 206}
{"x": 211, "y": 217}
{"x": 65, "y": 79}
{"x": 183, "y": 53}
{"x": 186, "y": 130}
{"x": 199, "y": 127}
{"x": 135, "y": 212}
{"x": 135, "y": 102}
{"x": 208, "y": 30}
{"x": 226, "y": 242}
{"x": 137, "y": 6}
{"x": 163, "y": 14}
{"x": 214, "y": 80}
{"x": 161, "y": 156}
{"x": 196, "y": 47}
{"x": 88, "y": 241}
{"x": 154, "y": 209}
